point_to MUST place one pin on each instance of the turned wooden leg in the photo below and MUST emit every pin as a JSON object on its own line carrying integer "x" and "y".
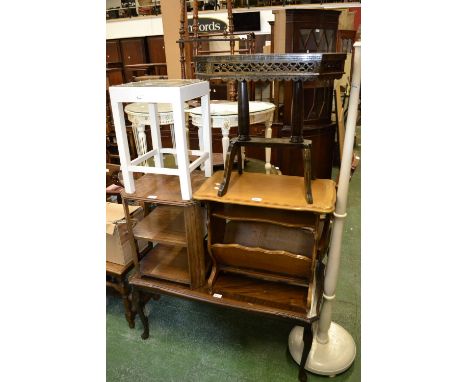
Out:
{"x": 231, "y": 154}
{"x": 307, "y": 338}
{"x": 307, "y": 158}
{"x": 139, "y": 308}
{"x": 129, "y": 313}
{"x": 240, "y": 160}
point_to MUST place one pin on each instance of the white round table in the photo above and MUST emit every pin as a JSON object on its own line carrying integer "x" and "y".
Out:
{"x": 224, "y": 116}
{"x": 138, "y": 115}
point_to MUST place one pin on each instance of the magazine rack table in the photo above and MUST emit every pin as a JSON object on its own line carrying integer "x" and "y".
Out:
{"x": 152, "y": 92}
{"x": 318, "y": 67}
{"x": 283, "y": 283}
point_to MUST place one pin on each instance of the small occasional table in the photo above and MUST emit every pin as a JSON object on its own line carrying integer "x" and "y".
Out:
{"x": 224, "y": 116}
{"x": 116, "y": 278}
{"x": 138, "y": 115}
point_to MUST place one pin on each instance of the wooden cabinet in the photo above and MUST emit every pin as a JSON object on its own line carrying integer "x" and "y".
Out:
{"x": 113, "y": 52}
{"x": 133, "y": 51}
{"x": 157, "y": 53}
{"x": 309, "y": 31}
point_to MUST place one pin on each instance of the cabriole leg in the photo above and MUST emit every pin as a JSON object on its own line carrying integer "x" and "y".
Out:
{"x": 139, "y": 308}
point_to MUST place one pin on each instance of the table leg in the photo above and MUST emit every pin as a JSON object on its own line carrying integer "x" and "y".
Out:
{"x": 138, "y": 304}
{"x": 206, "y": 146}
{"x": 156, "y": 134}
{"x": 233, "y": 150}
{"x": 225, "y": 141}
{"x": 307, "y": 158}
{"x": 129, "y": 315}
{"x": 268, "y": 132}
{"x": 141, "y": 144}
{"x": 307, "y": 338}
{"x": 181, "y": 147}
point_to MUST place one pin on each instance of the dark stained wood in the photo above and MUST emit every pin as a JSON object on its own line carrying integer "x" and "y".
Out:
{"x": 167, "y": 262}
{"x": 165, "y": 225}
{"x": 297, "y": 110}
{"x": 195, "y": 230}
{"x": 262, "y": 214}
{"x": 113, "y": 55}
{"x": 267, "y": 236}
{"x": 116, "y": 276}
{"x": 310, "y": 30}
{"x": 133, "y": 50}
{"x": 138, "y": 304}
{"x": 290, "y": 161}
{"x": 157, "y": 52}
{"x": 292, "y": 296}
{"x": 243, "y": 111}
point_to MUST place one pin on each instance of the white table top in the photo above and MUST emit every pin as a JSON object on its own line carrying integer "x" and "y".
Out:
{"x": 224, "y": 108}
{"x": 142, "y": 108}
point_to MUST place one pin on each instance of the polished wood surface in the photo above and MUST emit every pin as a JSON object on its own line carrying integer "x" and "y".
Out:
{"x": 234, "y": 285}
{"x": 166, "y": 262}
{"x": 273, "y": 191}
{"x": 165, "y": 187}
{"x": 262, "y": 214}
{"x": 117, "y": 269}
{"x": 165, "y": 225}
{"x": 269, "y": 236}
{"x": 280, "y": 262}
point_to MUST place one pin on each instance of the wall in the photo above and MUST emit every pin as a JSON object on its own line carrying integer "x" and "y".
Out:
{"x": 153, "y": 26}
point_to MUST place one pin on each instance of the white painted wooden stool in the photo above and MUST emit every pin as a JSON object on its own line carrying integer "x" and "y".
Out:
{"x": 152, "y": 92}
{"x": 224, "y": 116}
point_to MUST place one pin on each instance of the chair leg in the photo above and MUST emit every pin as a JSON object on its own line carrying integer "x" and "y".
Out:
{"x": 307, "y": 338}
{"x": 230, "y": 155}
{"x": 307, "y": 158}
{"x": 139, "y": 308}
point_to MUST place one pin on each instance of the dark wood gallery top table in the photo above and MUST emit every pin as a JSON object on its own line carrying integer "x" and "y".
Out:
{"x": 321, "y": 68}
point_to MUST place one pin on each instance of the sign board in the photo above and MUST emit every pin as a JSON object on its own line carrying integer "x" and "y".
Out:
{"x": 207, "y": 25}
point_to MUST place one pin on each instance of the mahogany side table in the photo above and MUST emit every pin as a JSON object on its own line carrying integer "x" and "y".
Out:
{"x": 317, "y": 67}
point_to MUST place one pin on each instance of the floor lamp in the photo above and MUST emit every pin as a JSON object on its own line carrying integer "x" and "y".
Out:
{"x": 333, "y": 349}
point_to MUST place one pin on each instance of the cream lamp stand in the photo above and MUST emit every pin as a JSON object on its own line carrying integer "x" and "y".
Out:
{"x": 333, "y": 349}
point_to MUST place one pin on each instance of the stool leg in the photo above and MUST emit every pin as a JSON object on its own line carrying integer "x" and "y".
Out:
{"x": 181, "y": 149}
{"x": 307, "y": 158}
{"x": 231, "y": 154}
{"x": 307, "y": 338}
{"x": 139, "y": 308}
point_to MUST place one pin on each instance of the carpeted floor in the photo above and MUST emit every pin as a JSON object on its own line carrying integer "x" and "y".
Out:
{"x": 191, "y": 341}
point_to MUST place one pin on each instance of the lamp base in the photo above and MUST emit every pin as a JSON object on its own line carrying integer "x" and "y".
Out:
{"x": 329, "y": 359}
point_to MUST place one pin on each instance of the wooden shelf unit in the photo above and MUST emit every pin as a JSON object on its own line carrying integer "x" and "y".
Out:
{"x": 176, "y": 227}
